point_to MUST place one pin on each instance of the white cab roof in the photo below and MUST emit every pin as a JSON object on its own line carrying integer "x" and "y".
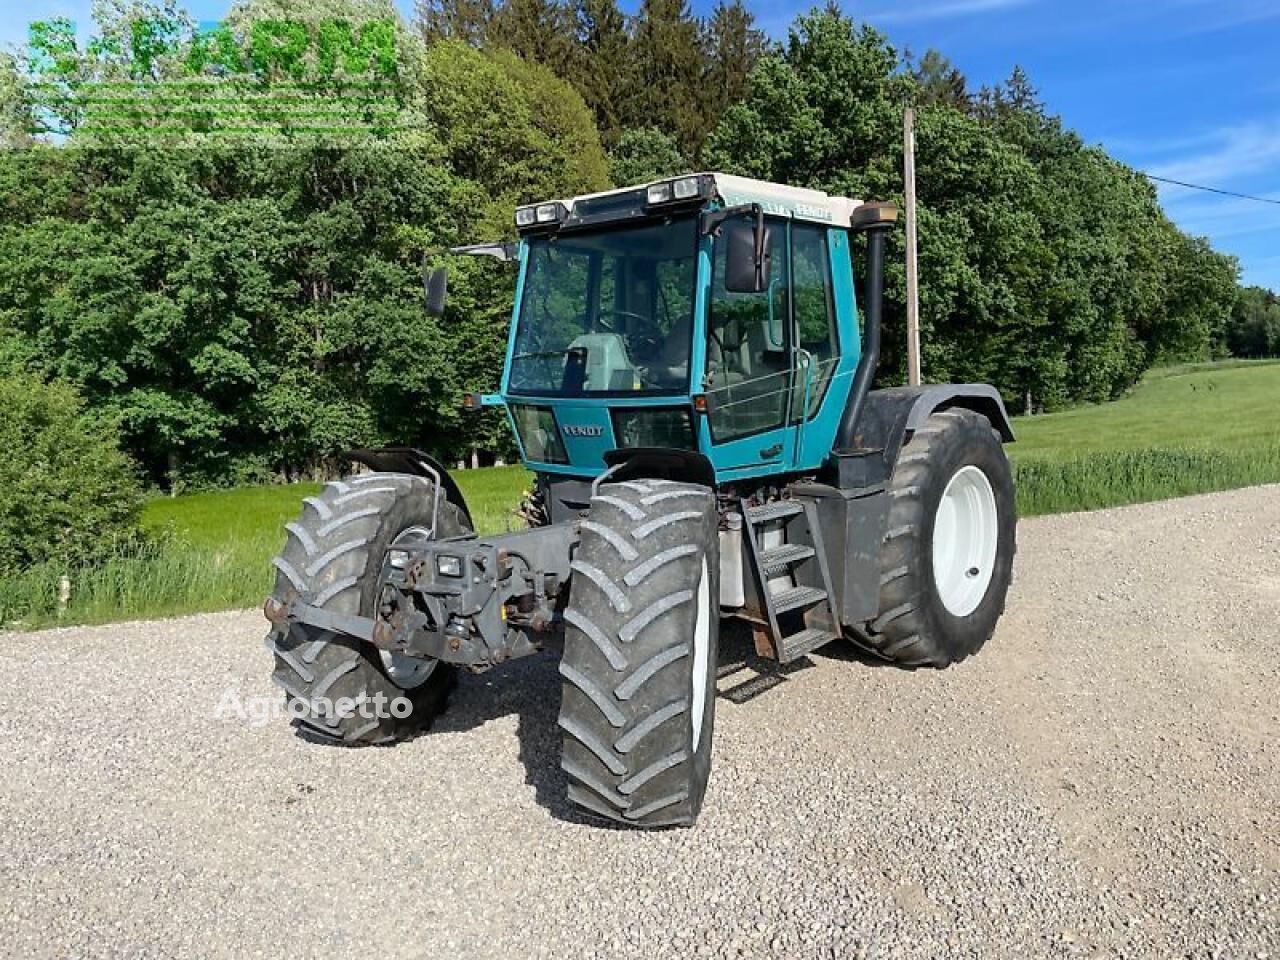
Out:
{"x": 776, "y": 198}
{"x": 781, "y": 200}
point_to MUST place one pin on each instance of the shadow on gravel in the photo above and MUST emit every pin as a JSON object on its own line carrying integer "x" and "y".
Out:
{"x": 529, "y": 689}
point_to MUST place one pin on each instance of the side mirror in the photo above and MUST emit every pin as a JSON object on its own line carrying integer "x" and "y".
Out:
{"x": 748, "y": 259}
{"x": 436, "y": 285}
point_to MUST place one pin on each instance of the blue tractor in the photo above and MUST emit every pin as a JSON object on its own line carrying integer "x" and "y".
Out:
{"x": 689, "y": 380}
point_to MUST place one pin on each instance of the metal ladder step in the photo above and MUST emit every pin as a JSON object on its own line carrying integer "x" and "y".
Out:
{"x": 777, "y": 510}
{"x": 778, "y": 560}
{"x": 797, "y": 597}
{"x": 806, "y": 641}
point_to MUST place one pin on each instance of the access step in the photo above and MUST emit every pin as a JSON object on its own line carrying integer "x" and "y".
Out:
{"x": 777, "y": 510}
{"x": 796, "y": 598}
{"x": 778, "y": 560}
{"x": 806, "y": 641}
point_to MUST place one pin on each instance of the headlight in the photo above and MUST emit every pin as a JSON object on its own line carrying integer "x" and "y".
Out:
{"x": 670, "y": 427}
{"x": 448, "y": 566}
{"x": 539, "y": 433}
{"x": 670, "y": 191}
{"x": 541, "y": 215}
{"x": 685, "y": 188}
{"x": 549, "y": 212}
{"x": 658, "y": 193}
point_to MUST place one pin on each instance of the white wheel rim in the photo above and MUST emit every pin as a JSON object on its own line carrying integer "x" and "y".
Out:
{"x": 408, "y": 672}
{"x": 701, "y": 653}
{"x": 966, "y": 533}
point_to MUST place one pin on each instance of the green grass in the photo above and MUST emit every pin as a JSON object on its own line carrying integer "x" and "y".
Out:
{"x": 1231, "y": 406}
{"x": 1188, "y": 429}
{"x": 208, "y": 551}
{"x": 216, "y": 519}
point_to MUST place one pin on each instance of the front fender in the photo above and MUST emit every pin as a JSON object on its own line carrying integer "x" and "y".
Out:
{"x": 417, "y": 463}
{"x": 660, "y": 463}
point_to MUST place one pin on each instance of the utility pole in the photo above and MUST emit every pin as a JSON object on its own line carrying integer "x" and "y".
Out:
{"x": 913, "y": 278}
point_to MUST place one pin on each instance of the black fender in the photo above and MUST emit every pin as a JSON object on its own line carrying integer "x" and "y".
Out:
{"x": 419, "y": 464}
{"x": 893, "y": 414}
{"x": 660, "y": 463}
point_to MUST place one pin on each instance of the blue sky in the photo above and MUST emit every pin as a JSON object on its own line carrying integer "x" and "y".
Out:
{"x": 1187, "y": 89}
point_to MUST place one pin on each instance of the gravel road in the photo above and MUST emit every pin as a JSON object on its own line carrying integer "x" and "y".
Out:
{"x": 1103, "y": 781}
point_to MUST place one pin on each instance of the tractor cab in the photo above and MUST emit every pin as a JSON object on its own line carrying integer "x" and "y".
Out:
{"x": 709, "y": 313}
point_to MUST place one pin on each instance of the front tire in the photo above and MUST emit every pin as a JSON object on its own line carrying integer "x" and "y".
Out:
{"x": 639, "y": 664}
{"x": 338, "y": 687}
{"x": 947, "y": 557}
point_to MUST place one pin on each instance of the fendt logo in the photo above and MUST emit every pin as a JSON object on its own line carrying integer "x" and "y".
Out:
{"x": 577, "y": 430}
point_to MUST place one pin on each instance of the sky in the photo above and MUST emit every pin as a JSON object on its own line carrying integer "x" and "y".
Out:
{"x": 1184, "y": 89}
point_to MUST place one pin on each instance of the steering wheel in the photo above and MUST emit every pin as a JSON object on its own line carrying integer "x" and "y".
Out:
{"x": 617, "y": 313}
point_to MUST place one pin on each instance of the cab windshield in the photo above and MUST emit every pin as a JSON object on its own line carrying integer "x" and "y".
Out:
{"x": 607, "y": 312}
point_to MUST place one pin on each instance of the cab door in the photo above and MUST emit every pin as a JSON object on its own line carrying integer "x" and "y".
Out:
{"x": 822, "y": 372}
{"x": 751, "y": 367}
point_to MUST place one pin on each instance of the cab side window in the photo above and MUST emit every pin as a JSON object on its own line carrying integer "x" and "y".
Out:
{"x": 748, "y": 350}
{"x": 815, "y": 315}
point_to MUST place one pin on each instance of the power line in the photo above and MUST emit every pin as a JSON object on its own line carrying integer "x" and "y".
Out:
{"x": 1225, "y": 193}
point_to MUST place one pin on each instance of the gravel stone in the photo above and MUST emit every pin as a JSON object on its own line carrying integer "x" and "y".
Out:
{"x": 1103, "y": 781}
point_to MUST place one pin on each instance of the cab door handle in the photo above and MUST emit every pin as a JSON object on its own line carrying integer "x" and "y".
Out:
{"x": 769, "y": 453}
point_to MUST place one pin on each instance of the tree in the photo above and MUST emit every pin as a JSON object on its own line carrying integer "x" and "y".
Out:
{"x": 667, "y": 56}
{"x": 540, "y": 31}
{"x": 16, "y": 122}
{"x": 67, "y": 493}
{"x": 644, "y": 155}
{"x": 1023, "y": 282}
{"x": 244, "y": 311}
{"x": 731, "y": 45}
{"x": 940, "y": 82}
{"x": 605, "y": 71}
{"x": 1254, "y": 326}
{"x": 468, "y": 21}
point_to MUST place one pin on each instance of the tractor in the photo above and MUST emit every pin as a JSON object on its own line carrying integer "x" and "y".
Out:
{"x": 689, "y": 381}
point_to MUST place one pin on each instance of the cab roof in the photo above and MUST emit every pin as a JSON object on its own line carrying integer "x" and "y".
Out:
{"x": 776, "y": 199}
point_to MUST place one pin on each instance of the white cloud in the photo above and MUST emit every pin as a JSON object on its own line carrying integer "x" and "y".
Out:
{"x": 1234, "y": 155}
{"x": 941, "y": 10}
{"x": 1217, "y": 15}
{"x": 1243, "y": 159}
{"x": 1222, "y": 217}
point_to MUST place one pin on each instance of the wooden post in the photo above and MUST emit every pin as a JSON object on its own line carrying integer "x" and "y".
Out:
{"x": 913, "y": 278}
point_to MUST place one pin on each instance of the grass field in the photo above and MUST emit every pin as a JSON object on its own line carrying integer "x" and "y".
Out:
{"x": 1185, "y": 430}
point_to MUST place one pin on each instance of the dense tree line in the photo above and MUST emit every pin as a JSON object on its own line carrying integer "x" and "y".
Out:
{"x": 249, "y": 306}
{"x": 1254, "y": 328}
{"x": 660, "y": 69}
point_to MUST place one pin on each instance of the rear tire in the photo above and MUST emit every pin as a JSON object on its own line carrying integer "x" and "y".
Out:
{"x": 952, "y": 479}
{"x": 639, "y": 662}
{"x": 333, "y": 560}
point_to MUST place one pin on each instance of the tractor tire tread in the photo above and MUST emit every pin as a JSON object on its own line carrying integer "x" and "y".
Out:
{"x": 331, "y": 559}
{"x": 914, "y": 629}
{"x": 628, "y": 664}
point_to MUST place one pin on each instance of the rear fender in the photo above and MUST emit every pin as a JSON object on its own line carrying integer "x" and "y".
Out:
{"x": 891, "y": 416}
